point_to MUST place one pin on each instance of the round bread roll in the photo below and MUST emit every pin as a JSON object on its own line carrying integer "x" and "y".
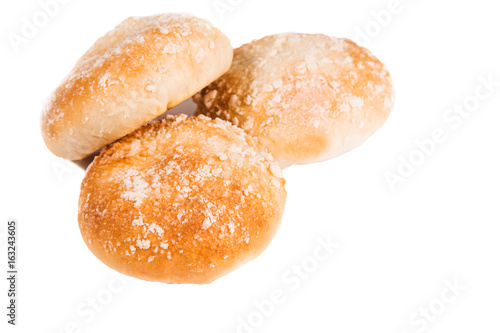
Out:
{"x": 133, "y": 74}
{"x": 307, "y": 98}
{"x": 181, "y": 200}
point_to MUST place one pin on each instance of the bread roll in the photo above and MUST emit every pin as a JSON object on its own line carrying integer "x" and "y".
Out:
{"x": 133, "y": 74}
{"x": 181, "y": 200}
{"x": 307, "y": 98}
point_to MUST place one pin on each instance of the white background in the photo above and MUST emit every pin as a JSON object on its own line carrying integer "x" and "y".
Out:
{"x": 397, "y": 248}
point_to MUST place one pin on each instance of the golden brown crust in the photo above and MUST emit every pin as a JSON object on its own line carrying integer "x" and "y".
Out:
{"x": 130, "y": 76}
{"x": 306, "y": 98}
{"x": 181, "y": 200}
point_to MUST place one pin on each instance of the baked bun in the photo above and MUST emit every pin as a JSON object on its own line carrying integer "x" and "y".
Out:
{"x": 181, "y": 200}
{"x": 307, "y": 98}
{"x": 133, "y": 74}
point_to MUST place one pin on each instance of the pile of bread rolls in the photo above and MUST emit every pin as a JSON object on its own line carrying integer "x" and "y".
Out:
{"x": 189, "y": 199}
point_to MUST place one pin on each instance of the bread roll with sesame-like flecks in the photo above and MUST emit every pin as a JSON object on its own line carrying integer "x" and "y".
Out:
{"x": 130, "y": 76}
{"x": 306, "y": 97}
{"x": 181, "y": 200}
